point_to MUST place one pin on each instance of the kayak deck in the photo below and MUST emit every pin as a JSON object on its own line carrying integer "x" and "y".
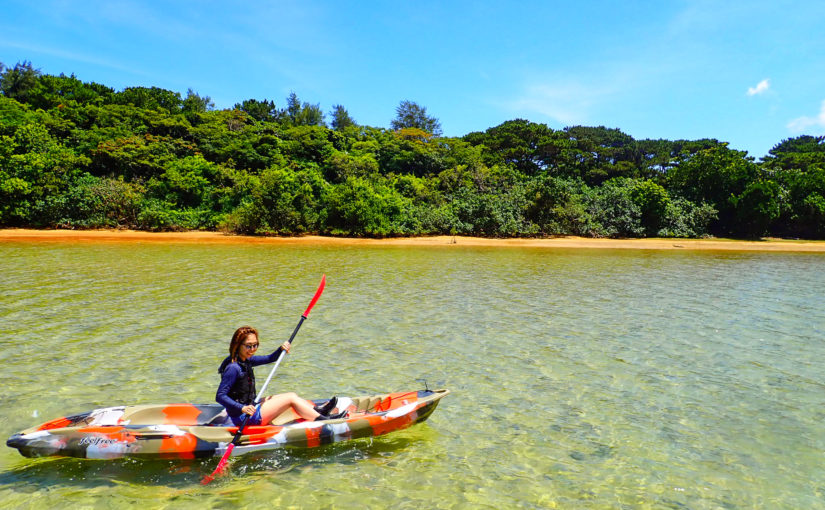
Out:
{"x": 204, "y": 430}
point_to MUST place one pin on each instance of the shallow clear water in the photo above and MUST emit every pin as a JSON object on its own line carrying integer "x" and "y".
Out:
{"x": 580, "y": 379}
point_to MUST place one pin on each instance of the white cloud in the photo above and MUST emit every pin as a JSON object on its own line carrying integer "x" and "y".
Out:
{"x": 760, "y": 88}
{"x": 566, "y": 103}
{"x": 806, "y": 123}
{"x": 556, "y": 103}
{"x": 72, "y": 57}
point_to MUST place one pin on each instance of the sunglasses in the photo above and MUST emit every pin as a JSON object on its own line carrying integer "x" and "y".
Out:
{"x": 250, "y": 347}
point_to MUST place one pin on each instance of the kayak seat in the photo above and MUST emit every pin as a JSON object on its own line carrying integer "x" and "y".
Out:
{"x": 366, "y": 404}
{"x": 223, "y": 420}
{"x": 220, "y": 420}
{"x": 171, "y": 414}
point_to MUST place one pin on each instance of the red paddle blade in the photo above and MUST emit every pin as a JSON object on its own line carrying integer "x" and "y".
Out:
{"x": 316, "y": 296}
{"x": 221, "y": 465}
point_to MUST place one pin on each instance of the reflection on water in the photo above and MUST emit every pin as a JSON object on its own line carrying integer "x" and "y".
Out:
{"x": 184, "y": 474}
{"x": 585, "y": 379}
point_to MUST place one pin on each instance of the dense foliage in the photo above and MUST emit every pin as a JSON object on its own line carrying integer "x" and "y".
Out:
{"x": 82, "y": 155}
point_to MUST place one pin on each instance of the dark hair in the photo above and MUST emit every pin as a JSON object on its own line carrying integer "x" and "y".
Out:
{"x": 238, "y": 339}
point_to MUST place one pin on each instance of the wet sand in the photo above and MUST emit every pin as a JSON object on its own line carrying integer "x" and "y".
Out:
{"x": 198, "y": 237}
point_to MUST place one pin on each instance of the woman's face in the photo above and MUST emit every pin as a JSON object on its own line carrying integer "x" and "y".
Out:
{"x": 248, "y": 347}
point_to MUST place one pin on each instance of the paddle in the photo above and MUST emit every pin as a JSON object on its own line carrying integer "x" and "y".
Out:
{"x": 239, "y": 433}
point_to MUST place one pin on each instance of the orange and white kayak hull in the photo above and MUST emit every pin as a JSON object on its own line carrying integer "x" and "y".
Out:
{"x": 187, "y": 431}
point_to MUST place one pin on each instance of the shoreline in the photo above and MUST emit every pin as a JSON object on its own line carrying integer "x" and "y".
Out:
{"x": 566, "y": 242}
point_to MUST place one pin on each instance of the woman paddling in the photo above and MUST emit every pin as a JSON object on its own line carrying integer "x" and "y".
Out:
{"x": 237, "y": 389}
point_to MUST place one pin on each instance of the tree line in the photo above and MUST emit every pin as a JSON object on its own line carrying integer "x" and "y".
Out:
{"x": 77, "y": 154}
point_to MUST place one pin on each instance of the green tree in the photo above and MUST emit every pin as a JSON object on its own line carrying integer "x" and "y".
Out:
{"x": 149, "y": 98}
{"x": 13, "y": 115}
{"x": 293, "y": 107}
{"x": 799, "y": 153}
{"x": 714, "y": 176}
{"x": 264, "y": 110}
{"x": 35, "y": 172}
{"x": 303, "y": 114}
{"x": 95, "y": 202}
{"x": 615, "y": 211}
{"x": 756, "y": 207}
{"x": 311, "y": 115}
{"x": 341, "y": 165}
{"x": 801, "y": 193}
{"x": 307, "y": 144}
{"x": 528, "y": 146}
{"x": 287, "y": 201}
{"x": 653, "y": 201}
{"x": 185, "y": 182}
{"x": 813, "y": 214}
{"x": 556, "y": 206}
{"x": 138, "y": 157}
{"x": 20, "y": 82}
{"x": 600, "y": 153}
{"x": 62, "y": 91}
{"x": 409, "y": 114}
{"x": 340, "y": 118}
{"x": 194, "y": 103}
{"x": 409, "y": 150}
{"x": 683, "y": 218}
{"x": 360, "y": 207}
{"x": 230, "y": 137}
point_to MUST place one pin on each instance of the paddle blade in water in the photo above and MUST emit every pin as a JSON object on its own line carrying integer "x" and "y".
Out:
{"x": 221, "y": 465}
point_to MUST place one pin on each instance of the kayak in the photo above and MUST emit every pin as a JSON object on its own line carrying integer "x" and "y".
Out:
{"x": 188, "y": 431}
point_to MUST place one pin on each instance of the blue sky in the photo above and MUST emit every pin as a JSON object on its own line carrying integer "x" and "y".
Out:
{"x": 751, "y": 73}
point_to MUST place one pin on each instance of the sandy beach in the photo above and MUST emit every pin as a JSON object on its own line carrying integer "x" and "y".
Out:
{"x": 784, "y": 245}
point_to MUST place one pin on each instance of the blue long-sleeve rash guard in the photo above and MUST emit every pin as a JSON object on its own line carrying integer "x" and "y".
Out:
{"x": 231, "y": 374}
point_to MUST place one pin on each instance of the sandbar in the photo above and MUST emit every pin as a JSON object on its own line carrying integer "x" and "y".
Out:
{"x": 203, "y": 237}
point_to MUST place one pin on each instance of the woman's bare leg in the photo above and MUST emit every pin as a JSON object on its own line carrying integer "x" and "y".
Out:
{"x": 273, "y": 406}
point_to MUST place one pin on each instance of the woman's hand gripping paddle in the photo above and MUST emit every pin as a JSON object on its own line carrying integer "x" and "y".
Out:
{"x": 239, "y": 433}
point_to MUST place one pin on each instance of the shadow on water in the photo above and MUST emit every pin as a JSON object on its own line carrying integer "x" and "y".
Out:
{"x": 88, "y": 473}
{"x": 339, "y": 454}
{"x": 45, "y": 473}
